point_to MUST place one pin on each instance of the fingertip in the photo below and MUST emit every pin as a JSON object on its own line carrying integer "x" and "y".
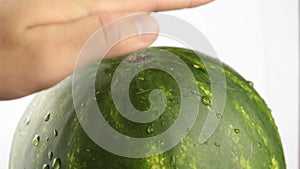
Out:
{"x": 143, "y": 31}
{"x": 147, "y": 28}
{"x": 147, "y": 39}
{"x": 145, "y": 23}
{"x": 131, "y": 45}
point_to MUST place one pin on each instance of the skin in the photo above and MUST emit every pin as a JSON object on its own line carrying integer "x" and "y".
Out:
{"x": 40, "y": 40}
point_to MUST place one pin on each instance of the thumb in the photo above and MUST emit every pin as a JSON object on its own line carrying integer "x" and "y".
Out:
{"x": 120, "y": 37}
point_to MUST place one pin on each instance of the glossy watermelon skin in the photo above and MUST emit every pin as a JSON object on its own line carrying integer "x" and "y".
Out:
{"x": 246, "y": 137}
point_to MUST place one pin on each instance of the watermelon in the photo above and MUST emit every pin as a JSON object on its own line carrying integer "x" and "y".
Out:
{"x": 223, "y": 124}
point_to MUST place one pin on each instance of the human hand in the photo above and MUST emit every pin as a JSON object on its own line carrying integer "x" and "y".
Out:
{"x": 40, "y": 40}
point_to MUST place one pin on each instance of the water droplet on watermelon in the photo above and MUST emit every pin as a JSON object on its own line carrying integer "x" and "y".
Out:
{"x": 171, "y": 68}
{"x": 97, "y": 93}
{"x": 141, "y": 78}
{"x": 56, "y": 164}
{"x": 55, "y": 133}
{"x": 259, "y": 145}
{"x": 149, "y": 129}
{"x": 82, "y": 104}
{"x": 36, "y": 140}
{"x": 219, "y": 115}
{"x": 27, "y": 120}
{"x": 47, "y": 138}
{"x": 196, "y": 66}
{"x": 173, "y": 161}
{"x": 250, "y": 83}
{"x": 47, "y": 117}
{"x": 194, "y": 92}
{"x": 237, "y": 131}
{"x": 217, "y": 144}
{"x": 205, "y": 100}
{"x": 50, "y": 155}
{"x": 46, "y": 166}
{"x": 160, "y": 143}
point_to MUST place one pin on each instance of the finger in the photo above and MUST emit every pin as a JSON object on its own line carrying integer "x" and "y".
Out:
{"x": 69, "y": 11}
{"x": 57, "y": 47}
{"x": 140, "y": 33}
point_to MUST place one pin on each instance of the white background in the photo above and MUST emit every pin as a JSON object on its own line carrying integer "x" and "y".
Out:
{"x": 258, "y": 38}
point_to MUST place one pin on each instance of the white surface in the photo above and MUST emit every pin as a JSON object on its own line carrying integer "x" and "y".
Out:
{"x": 258, "y": 38}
